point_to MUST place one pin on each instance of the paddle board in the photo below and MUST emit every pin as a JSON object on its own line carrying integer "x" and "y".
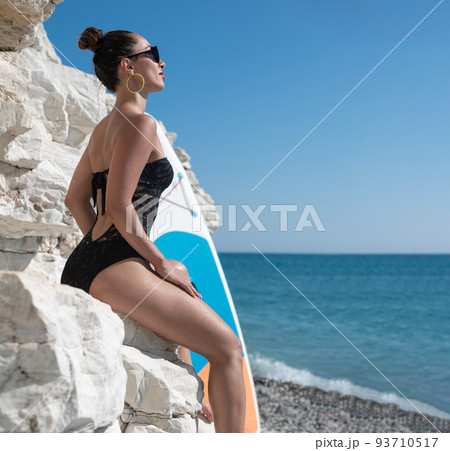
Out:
{"x": 179, "y": 230}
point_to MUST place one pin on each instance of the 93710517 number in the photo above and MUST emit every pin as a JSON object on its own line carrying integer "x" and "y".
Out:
{"x": 411, "y": 442}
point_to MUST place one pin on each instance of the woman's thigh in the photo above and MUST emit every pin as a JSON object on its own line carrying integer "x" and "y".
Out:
{"x": 132, "y": 287}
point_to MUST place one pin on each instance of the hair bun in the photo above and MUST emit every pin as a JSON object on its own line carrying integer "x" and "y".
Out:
{"x": 89, "y": 38}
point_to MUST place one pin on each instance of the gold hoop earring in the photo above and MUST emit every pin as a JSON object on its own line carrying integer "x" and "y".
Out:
{"x": 143, "y": 83}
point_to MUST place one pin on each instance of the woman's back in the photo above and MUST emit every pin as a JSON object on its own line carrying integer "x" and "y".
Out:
{"x": 155, "y": 178}
{"x": 101, "y": 149}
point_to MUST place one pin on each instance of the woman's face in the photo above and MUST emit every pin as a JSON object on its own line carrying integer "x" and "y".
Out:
{"x": 146, "y": 66}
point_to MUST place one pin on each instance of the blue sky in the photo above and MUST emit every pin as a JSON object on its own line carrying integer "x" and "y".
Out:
{"x": 247, "y": 80}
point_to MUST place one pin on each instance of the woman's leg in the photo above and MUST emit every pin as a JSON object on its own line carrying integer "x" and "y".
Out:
{"x": 170, "y": 312}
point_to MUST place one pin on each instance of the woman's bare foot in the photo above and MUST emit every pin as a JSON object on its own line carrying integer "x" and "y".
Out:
{"x": 206, "y": 411}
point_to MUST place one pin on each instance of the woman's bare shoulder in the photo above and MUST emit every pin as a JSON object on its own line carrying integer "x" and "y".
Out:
{"x": 143, "y": 122}
{"x": 119, "y": 134}
{"x": 123, "y": 123}
{"x": 137, "y": 130}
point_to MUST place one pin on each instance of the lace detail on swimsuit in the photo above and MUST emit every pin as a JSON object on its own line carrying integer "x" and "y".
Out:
{"x": 91, "y": 257}
{"x": 155, "y": 178}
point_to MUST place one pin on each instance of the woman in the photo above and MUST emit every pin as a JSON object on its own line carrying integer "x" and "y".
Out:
{"x": 123, "y": 162}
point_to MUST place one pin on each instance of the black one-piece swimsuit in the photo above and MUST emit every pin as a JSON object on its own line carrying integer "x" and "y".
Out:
{"x": 92, "y": 256}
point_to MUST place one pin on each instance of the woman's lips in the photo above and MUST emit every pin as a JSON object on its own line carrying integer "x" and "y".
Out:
{"x": 162, "y": 75}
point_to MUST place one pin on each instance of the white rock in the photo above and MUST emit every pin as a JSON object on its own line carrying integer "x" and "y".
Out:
{"x": 33, "y": 200}
{"x": 182, "y": 154}
{"x": 60, "y": 366}
{"x": 204, "y": 427}
{"x": 182, "y": 424}
{"x": 40, "y": 264}
{"x": 157, "y": 375}
{"x": 18, "y": 19}
{"x": 144, "y": 339}
{"x": 15, "y": 119}
{"x": 192, "y": 178}
{"x": 29, "y": 244}
{"x": 113, "y": 428}
{"x": 137, "y": 428}
{"x": 43, "y": 45}
{"x": 156, "y": 386}
{"x": 15, "y": 76}
{"x": 171, "y": 136}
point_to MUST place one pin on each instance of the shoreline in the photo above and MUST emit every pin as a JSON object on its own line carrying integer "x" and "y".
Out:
{"x": 290, "y": 407}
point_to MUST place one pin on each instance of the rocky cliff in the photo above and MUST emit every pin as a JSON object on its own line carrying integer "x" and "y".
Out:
{"x": 67, "y": 361}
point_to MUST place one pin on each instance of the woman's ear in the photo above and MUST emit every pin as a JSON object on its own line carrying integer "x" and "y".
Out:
{"x": 126, "y": 65}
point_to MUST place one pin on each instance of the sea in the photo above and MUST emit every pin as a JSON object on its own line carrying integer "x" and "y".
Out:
{"x": 372, "y": 326}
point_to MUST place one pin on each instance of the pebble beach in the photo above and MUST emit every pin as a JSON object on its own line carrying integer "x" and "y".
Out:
{"x": 288, "y": 407}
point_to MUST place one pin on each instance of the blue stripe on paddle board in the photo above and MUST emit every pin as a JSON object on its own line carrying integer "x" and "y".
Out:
{"x": 204, "y": 274}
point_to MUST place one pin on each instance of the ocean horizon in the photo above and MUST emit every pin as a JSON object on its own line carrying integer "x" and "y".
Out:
{"x": 373, "y": 326}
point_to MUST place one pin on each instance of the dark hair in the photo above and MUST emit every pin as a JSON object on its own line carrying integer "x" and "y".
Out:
{"x": 108, "y": 50}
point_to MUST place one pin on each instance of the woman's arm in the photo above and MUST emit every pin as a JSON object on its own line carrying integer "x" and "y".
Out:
{"x": 83, "y": 214}
{"x": 78, "y": 195}
{"x": 132, "y": 149}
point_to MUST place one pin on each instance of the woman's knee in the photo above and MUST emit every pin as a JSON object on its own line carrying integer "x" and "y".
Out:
{"x": 228, "y": 349}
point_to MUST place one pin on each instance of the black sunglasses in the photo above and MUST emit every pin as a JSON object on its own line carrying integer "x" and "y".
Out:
{"x": 153, "y": 51}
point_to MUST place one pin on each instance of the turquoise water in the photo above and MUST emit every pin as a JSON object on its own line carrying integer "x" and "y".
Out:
{"x": 392, "y": 309}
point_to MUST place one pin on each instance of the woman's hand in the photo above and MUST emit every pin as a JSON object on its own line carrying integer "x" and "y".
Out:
{"x": 175, "y": 272}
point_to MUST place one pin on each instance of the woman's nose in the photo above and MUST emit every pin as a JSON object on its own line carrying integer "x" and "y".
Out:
{"x": 162, "y": 63}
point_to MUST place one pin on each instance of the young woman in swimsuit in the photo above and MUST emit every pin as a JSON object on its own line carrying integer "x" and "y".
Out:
{"x": 124, "y": 268}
